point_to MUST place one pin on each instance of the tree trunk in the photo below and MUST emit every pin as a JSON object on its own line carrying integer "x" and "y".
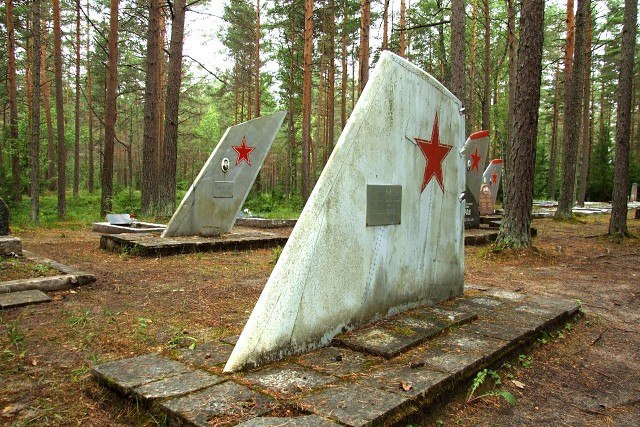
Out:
{"x": 76, "y": 154}
{"x": 149, "y": 184}
{"x": 62, "y": 147}
{"x": 34, "y": 140}
{"x": 471, "y": 106}
{"x": 160, "y": 69}
{"x": 511, "y": 48}
{"x": 331, "y": 96}
{"x": 257, "y": 63}
{"x": 403, "y": 22}
{"x": 365, "y": 24}
{"x": 46, "y": 96}
{"x": 585, "y": 138}
{"x": 553, "y": 151}
{"x": 521, "y": 151}
{"x": 89, "y": 89}
{"x": 571, "y": 39}
{"x": 344, "y": 84}
{"x": 110, "y": 112}
{"x": 572, "y": 115}
{"x": 618, "y": 222}
{"x": 16, "y": 171}
{"x": 167, "y": 178}
{"x": 458, "y": 49}
{"x": 486, "y": 101}
{"x": 306, "y": 99}
{"x": 385, "y": 25}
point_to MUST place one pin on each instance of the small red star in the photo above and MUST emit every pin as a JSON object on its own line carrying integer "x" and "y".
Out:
{"x": 434, "y": 153}
{"x": 494, "y": 178}
{"x": 475, "y": 159}
{"x": 243, "y": 152}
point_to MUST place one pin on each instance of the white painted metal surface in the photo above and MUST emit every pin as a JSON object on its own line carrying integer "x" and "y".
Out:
{"x": 335, "y": 272}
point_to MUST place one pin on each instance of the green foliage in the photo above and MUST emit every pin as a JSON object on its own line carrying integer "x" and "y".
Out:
{"x": 273, "y": 204}
{"x": 480, "y": 379}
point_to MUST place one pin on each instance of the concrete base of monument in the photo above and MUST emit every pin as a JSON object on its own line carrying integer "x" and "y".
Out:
{"x": 10, "y": 245}
{"x": 16, "y": 293}
{"x": 265, "y": 222}
{"x": 148, "y": 244}
{"x": 384, "y": 373}
{"x": 136, "y": 227}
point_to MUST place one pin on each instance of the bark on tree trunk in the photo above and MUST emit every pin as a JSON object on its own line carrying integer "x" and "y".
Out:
{"x": 167, "y": 178}
{"x": 257, "y": 63}
{"x": 618, "y": 221}
{"x": 365, "y": 24}
{"x": 16, "y": 171}
{"x": 306, "y": 99}
{"x": 521, "y": 151}
{"x": 511, "y": 48}
{"x": 572, "y": 115}
{"x": 385, "y": 25}
{"x": 62, "y": 147}
{"x": 110, "y": 112}
{"x": 46, "y": 96}
{"x": 149, "y": 185}
{"x": 486, "y": 102}
{"x": 76, "y": 154}
{"x": 343, "y": 86}
{"x": 458, "y": 49}
{"x": 553, "y": 151}
{"x": 586, "y": 102}
{"x": 331, "y": 97}
{"x": 90, "y": 105}
{"x": 471, "y": 106}
{"x": 402, "y": 48}
{"x": 34, "y": 143}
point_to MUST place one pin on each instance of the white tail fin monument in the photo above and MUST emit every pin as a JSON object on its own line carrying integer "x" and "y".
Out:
{"x": 210, "y": 206}
{"x": 492, "y": 177}
{"x": 383, "y": 228}
{"x": 475, "y": 152}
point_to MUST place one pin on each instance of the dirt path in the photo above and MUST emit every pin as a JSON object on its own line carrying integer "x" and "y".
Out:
{"x": 138, "y": 305}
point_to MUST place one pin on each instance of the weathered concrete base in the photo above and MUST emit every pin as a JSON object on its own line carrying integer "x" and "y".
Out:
{"x": 265, "y": 222}
{"x": 340, "y": 386}
{"x": 10, "y": 245}
{"x": 135, "y": 228}
{"x": 18, "y": 299}
{"x": 153, "y": 245}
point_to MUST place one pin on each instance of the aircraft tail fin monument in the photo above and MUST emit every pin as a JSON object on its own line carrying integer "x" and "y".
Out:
{"x": 383, "y": 228}
{"x": 492, "y": 177}
{"x": 474, "y": 152}
{"x": 210, "y": 206}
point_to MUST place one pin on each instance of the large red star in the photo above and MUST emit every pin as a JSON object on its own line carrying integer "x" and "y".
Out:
{"x": 434, "y": 153}
{"x": 475, "y": 160}
{"x": 243, "y": 152}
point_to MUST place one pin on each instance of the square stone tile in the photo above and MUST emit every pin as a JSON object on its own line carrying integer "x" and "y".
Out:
{"x": 380, "y": 340}
{"x": 518, "y": 318}
{"x": 507, "y": 295}
{"x": 303, "y": 421}
{"x": 354, "y": 404}
{"x": 124, "y": 375}
{"x": 228, "y": 402}
{"x": 418, "y": 382}
{"x": 207, "y": 355}
{"x": 499, "y": 330}
{"x": 338, "y": 361}
{"x": 289, "y": 379}
{"x": 176, "y": 386}
{"x": 427, "y": 327}
{"x": 479, "y": 304}
{"x": 19, "y": 299}
{"x": 452, "y": 361}
{"x": 448, "y": 315}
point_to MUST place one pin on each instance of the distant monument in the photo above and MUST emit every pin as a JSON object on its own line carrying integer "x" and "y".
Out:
{"x": 475, "y": 153}
{"x": 210, "y": 206}
{"x": 4, "y": 218}
{"x": 491, "y": 178}
{"x": 383, "y": 228}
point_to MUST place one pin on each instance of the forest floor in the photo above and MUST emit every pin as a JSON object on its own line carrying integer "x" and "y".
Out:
{"x": 585, "y": 375}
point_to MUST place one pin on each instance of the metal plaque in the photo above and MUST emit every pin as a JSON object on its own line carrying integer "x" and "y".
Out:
{"x": 223, "y": 189}
{"x": 384, "y": 204}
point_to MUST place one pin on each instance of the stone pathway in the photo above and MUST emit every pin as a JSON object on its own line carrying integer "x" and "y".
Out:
{"x": 379, "y": 374}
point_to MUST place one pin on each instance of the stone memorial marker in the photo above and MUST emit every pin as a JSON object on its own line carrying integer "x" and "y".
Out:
{"x": 4, "y": 218}
{"x": 634, "y": 192}
{"x": 210, "y": 206}
{"x": 382, "y": 230}
{"x": 492, "y": 177}
{"x": 475, "y": 153}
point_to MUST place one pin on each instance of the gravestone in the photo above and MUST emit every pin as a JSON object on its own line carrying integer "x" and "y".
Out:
{"x": 475, "y": 153}
{"x": 4, "y": 218}
{"x": 485, "y": 204}
{"x": 210, "y": 206}
{"x": 634, "y": 192}
{"x": 491, "y": 177}
{"x": 382, "y": 230}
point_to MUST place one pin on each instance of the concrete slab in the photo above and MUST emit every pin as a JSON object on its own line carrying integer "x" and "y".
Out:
{"x": 355, "y": 406}
{"x": 10, "y": 245}
{"x": 265, "y": 222}
{"x": 152, "y": 245}
{"x": 303, "y": 421}
{"x": 127, "y": 374}
{"x": 176, "y": 386}
{"x": 229, "y": 403}
{"x": 19, "y": 299}
{"x": 135, "y": 228}
{"x": 338, "y": 361}
{"x": 419, "y": 382}
{"x": 210, "y": 206}
{"x": 207, "y": 355}
{"x": 289, "y": 380}
{"x": 389, "y": 194}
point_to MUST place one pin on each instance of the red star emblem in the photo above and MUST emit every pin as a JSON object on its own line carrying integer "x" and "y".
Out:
{"x": 434, "y": 153}
{"x": 475, "y": 160}
{"x": 494, "y": 178}
{"x": 243, "y": 152}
